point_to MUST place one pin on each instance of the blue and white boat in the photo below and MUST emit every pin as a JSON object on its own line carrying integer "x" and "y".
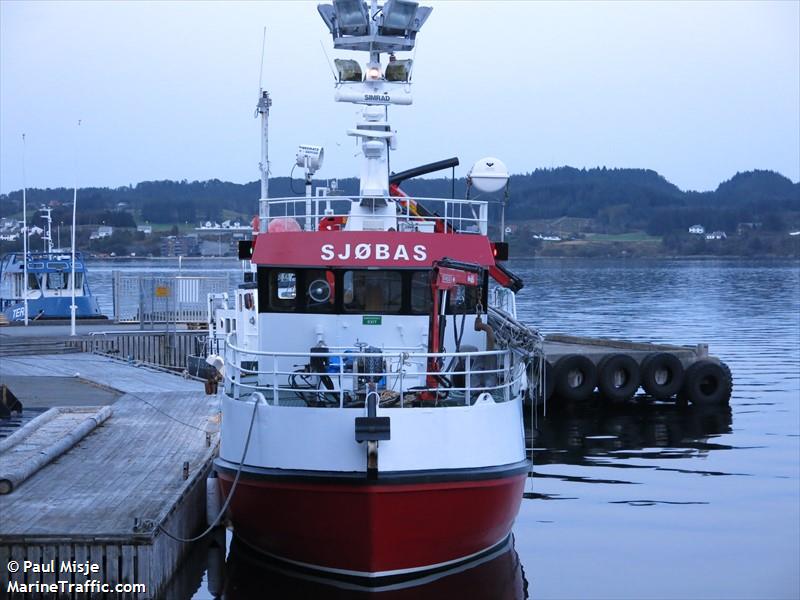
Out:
{"x": 49, "y": 288}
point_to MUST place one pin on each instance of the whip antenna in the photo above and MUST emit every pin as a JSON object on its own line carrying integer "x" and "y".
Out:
{"x": 330, "y": 64}
{"x": 261, "y": 68}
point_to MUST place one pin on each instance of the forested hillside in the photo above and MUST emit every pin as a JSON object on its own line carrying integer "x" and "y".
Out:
{"x": 604, "y": 201}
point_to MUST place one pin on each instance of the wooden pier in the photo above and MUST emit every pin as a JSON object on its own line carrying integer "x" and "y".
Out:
{"x": 107, "y": 498}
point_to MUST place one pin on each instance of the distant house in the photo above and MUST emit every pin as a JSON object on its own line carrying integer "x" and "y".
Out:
{"x": 122, "y": 206}
{"x": 103, "y": 231}
{"x": 716, "y": 235}
{"x": 10, "y": 237}
{"x": 145, "y": 229}
{"x": 697, "y": 229}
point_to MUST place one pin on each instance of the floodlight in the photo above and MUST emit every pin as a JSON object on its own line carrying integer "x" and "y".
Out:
{"x": 327, "y": 14}
{"x": 398, "y": 16}
{"x": 310, "y": 156}
{"x": 488, "y": 175}
{"x": 398, "y": 70}
{"x": 352, "y": 17}
{"x": 348, "y": 69}
{"x": 373, "y": 71}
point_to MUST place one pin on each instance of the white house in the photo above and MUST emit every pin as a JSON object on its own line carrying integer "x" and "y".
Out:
{"x": 717, "y": 235}
{"x": 103, "y": 231}
{"x": 697, "y": 229}
{"x": 145, "y": 229}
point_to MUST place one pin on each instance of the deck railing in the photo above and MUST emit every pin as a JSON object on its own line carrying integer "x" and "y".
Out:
{"x": 341, "y": 377}
{"x": 451, "y": 215}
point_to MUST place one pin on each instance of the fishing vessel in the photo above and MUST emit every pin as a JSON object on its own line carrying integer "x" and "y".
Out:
{"x": 49, "y": 282}
{"x": 374, "y": 371}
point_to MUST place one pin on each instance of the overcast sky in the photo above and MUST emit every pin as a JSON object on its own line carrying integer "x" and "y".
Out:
{"x": 167, "y": 90}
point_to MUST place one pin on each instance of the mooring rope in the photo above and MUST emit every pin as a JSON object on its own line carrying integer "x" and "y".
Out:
{"x": 224, "y": 508}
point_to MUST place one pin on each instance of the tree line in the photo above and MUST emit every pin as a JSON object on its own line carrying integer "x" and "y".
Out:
{"x": 617, "y": 200}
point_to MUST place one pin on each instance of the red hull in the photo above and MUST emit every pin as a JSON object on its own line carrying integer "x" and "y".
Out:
{"x": 373, "y": 529}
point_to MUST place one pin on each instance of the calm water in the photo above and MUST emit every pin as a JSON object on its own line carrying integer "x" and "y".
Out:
{"x": 647, "y": 501}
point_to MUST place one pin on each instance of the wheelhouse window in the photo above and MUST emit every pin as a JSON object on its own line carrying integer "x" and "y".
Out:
{"x": 283, "y": 290}
{"x": 421, "y": 295}
{"x": 462, "y": 299}
{"x": 57, "y": 281}
{"x": 357, "y": 291}
{"x": 372, "y": 291}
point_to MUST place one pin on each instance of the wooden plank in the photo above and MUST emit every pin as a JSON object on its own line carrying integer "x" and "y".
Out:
{"x": 81, "y": 557}
{"x": 97, "y": 556}
{"x": 112, "y": 564}
{"x": 18, "y": 554}
{"x": 128, "y": 560}
{"x": 5, "y": 556}
{"x": 65, "y": 555}
{"x": 49, "y": 557}
{"x": 143, "y": 570}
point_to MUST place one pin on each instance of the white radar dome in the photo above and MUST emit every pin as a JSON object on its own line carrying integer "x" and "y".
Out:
{"x": 488, "y": 175}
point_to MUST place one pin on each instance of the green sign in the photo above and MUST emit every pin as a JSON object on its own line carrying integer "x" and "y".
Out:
{"x": 371, "y": 320}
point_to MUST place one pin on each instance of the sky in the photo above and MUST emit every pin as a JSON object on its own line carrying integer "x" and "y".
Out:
{"x": 167, "y": 90}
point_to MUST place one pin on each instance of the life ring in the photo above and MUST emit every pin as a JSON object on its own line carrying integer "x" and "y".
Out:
{"x": 662, "y": 375}
{"x": 618, "y": 377}
{"x": 707, "y": 382}
{"x": 575, "y": 377}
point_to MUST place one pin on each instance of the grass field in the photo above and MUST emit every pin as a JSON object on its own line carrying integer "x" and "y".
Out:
{"x": 635, "y": 236}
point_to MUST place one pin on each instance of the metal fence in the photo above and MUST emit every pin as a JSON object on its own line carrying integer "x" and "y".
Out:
{"x": 150, "y": 299}
{"x": 161, "y": 348}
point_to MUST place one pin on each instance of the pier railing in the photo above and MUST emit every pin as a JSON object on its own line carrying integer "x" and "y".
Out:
{"x": 341, "y": 377}
{"x": 414, "y": 214}
{"x": 168, "y": 349}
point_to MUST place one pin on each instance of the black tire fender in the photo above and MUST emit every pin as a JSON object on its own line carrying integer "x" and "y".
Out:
{"x": 707, "y": 382}
{"x": 618, "y": 377}
{"x": 662, "y": 375}
{"x": 575, "y": 377}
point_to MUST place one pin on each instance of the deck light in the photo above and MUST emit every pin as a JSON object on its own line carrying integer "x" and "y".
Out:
{"x": 348, "y": 69}
{"x": 398, "y": 16}
{"x": 373, "y": 71}
{"x": 310, "y": 157}
{"x": 351, "y": 16}
{"x": 398, "y": 70}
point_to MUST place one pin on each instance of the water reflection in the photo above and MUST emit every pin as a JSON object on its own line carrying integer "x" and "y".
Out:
{"x": 577, "y": 433}
{"x": 498, "y": 576}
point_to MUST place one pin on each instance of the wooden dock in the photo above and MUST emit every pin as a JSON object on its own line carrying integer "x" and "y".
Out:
{"x": 104, "y": 500}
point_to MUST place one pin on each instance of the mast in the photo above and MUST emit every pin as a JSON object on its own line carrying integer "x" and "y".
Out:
{"x": 262, "y": 108}
{"x": 374, "y": 29}
{"x": 24, "y": 235}
{"x": 48, "y": 229}
{"x": 73, "y": 307}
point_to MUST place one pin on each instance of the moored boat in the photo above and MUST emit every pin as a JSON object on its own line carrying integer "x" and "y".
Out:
{"x": 371, "y": 415}
{"x": 48, "y": 289}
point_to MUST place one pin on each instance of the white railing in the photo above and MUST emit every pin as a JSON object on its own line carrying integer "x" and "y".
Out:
{"x": 451, "y": 215}
{"x": 342, "y": 377}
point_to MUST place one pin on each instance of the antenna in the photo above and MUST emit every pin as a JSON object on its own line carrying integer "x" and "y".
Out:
{"x": 261, "y": 68}
{"x": 262, "y": 108}
{"x": 24, "y": 234}
{"x": 330, "y": 64}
